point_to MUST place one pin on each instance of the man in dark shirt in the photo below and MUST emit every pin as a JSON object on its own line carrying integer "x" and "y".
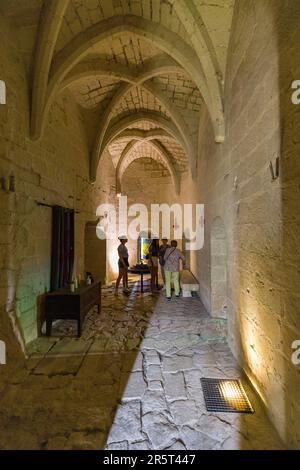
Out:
{"x": 162, "y": 251}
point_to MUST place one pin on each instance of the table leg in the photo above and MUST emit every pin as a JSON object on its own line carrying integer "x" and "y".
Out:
{"x": 48, "y": 327}
{"x": 79, "y": 327}
{"x": 142, "y": 282}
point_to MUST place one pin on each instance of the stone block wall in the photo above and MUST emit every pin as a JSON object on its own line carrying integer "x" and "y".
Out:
{"x": 260, "y": 216}
{"x": 53, "y": 170}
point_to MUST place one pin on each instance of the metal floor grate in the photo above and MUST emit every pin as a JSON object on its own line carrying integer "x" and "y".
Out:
{"x": 225, "y": 395}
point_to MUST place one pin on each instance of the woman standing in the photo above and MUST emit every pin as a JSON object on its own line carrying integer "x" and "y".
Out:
{"x": 123, "y": 264}
{"x": 153, "y": 263}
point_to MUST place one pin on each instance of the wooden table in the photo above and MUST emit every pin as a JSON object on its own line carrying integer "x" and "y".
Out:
{"x": 141, "y": 272}
{"x": 66, "y": 305}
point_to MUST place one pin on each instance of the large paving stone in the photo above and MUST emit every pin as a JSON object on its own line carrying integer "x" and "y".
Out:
{"x": 152, "y": 357}
{"x": 174, "y": 386}
{"x": 154, "y": 400}
{"x": 214, "y": 427}
{"x": 177, "y": 363}
{"x": 184, "y": 411}
{"x": 53, "y": 366}
{"x": 132, "y": 386}
{"x": 132, "y": 362}
{"x": 126, "y": 424}
{"x": 123, "y": 445}
{"x": 155, "y": 385}
{"x": 160, "y": 431}
{"x": 70, "y": 346}
{"x": 142, "y": 445}
{"x": 153, "y": 372}
{"x": 196, "y": 440}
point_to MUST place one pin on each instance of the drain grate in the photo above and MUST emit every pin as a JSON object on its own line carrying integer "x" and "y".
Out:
{"x": 225, "y": 395}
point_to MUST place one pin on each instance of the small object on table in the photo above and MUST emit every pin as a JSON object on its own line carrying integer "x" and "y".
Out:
{"x": 72, "y": 287}
{"x": 89, "y": 279}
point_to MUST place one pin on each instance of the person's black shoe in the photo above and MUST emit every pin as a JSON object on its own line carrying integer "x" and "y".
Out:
{"x": 177, "y": 296}
{"x": 169, "y": 299}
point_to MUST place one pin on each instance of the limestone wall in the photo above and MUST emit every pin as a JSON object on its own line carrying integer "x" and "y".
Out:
{"x": 54, "y": 171}
{"x": 260, "y": 216}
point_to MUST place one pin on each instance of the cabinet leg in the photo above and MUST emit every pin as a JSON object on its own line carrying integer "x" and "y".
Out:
{"x": 99, "y": 308}
{"x": 79, "y": 328}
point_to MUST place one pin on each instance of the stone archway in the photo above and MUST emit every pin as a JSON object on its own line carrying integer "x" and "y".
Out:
{"x": 218, "y": 261}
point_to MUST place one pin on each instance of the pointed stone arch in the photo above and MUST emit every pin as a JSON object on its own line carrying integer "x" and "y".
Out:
{"x": 132, "y": 78}
{"x": 165, "y": 39}
{"x": 162, "y": 152}
{"x": 192, "y": 20}
{"x": 139, "y": 134}
{"x": 158, "y": 65}
{"x": 119, "y": 127}
{"x": 51, "y": 19}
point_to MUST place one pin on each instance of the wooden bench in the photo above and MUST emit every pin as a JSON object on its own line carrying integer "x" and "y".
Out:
{"x": 65, "y": 305}
{"x": 189, "y": 283}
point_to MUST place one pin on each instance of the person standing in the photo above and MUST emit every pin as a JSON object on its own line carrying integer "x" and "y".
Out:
{"x": 162, "y": 251}
{"x": 153, "y": 255}
{"x": 123, "y": 264}
{"x": 172, "y": 258}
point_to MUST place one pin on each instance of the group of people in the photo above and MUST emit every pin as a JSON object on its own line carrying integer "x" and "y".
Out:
{"x": 166, "y": 256}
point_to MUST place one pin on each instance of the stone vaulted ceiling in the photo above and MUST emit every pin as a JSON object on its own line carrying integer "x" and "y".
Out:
{"x": 142, "y": 70}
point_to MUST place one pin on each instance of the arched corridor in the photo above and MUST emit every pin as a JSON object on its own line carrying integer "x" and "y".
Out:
{"x": 149, "y": 108}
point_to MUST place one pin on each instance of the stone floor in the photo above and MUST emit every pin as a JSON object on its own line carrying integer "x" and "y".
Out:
{"x": 131, "y": 382}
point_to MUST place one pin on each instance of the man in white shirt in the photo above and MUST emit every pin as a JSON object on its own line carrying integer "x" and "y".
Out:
{"x": 123, "y": 265}
{"x": 171, "y": 267}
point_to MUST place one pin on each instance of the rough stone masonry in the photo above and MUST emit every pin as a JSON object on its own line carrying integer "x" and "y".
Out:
{"x": 184, "y": 101}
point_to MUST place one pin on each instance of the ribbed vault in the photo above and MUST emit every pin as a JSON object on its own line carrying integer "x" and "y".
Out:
{"x": 132, "y": 67}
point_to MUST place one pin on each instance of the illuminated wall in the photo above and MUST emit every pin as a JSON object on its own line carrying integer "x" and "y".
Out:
{"x": 260, "y": 216}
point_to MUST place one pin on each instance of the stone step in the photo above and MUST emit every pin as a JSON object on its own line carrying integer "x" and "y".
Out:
{"x": 189, "y": 283}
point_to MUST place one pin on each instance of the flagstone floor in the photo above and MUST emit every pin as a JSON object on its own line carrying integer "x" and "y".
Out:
{"x": 132, "y": 381}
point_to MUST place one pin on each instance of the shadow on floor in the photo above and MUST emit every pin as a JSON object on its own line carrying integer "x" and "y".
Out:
{"x": 131, "y": 382}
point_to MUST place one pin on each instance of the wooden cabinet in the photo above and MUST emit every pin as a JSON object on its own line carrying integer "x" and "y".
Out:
{"x": 65, "y": 305}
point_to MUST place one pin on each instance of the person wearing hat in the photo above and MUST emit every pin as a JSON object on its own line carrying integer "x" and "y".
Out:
{"x": 123, "y": 265}
{"x": 162, "y": 251}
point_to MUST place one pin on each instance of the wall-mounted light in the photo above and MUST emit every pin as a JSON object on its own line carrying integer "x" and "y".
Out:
{"x": 2, "y": 92}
